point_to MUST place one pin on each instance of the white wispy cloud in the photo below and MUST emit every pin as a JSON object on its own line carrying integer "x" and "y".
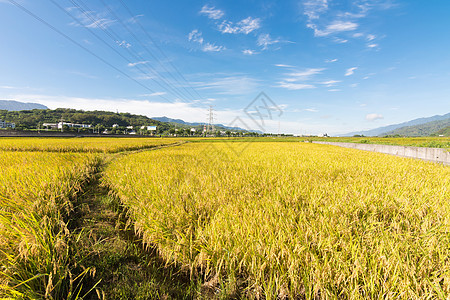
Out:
{"x": 283, "y": 66}
{"x": 208, "y": 47}
{"x": 295, "y": 86}
{"x": 249, "y": 52}
{"x": 339, "y": 26}
{"x": 330, "y": 83}
{"x": 295, "y": 80}
{"x": 195, "y": 36}
{"x": 124, "y": 44}
{"x": 311, "y": 110}
{"x": 227, "y": 27}
{"x": 368, "y": 75}
{"x": 211, "y": 12}
{"x": 249, "y": 24}
{"x": 325, "y": 20}
{"x": 373, "y": 117}
{"x": 135, "y": 19}
{"x": 154, "y": 94}
{"x": 91, "y": 19}
{"x": 264, "y": 40}
{"x": 138, "y": 63}
{"x": 304, "y": 74}
{"x": 101, "y": 23}
{"x": 350, "y": 71}
{"x": 244, "y": 26}
{"x": 335, "y": 27}
{"x": 372, "y": 45}
{"x": 331, "y": 60}
{"x": 340, "y": 41}
{"x": 314, "y": 8}
{"x": 371, "y": 37}
{"x": 229, "y": 85}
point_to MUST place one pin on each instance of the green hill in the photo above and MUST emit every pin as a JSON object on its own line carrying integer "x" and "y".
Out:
{"x": 101, "y": 120}
{"x": 29, "y": 119}
{"x": 431, "y": 128}
{"x": 444, "y": 131}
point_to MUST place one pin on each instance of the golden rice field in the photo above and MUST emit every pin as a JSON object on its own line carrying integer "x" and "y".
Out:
{"x": 297, "y": 220}
{"x": 36, "y": 190}
{"x": 105, "y": 145}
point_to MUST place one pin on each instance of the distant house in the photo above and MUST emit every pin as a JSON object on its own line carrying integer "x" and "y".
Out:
{"x": 61, "y": 124}
{"x": 4, "y": 124}
{"x": 72, "y": 125}
{"x": 50, "y": 125}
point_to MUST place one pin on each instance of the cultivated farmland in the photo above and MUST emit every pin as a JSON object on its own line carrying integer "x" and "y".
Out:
{"x": 99, "y": 145}
{"x": 36, "y": 193}
{"x": 290, "y": 219}
{"x": 256, "y": 219}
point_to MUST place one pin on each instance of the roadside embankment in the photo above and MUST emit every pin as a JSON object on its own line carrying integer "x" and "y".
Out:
{"x": 438, "y": 155}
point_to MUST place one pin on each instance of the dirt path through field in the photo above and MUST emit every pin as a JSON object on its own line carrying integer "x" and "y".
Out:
{"x": 120, "y": 266}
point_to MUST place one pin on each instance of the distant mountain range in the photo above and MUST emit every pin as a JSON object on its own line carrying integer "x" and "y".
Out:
{"x": 178, "y": 121}
{"x": 188, "y": 124}
{"x": 407, "y": 127}
{"x": 12, "y": 105}
{"x": 427, "y": 129}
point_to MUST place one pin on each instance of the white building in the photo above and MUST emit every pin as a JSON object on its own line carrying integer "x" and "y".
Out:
{"x": 61, "y": 124}
{"x": 4, "y": 124}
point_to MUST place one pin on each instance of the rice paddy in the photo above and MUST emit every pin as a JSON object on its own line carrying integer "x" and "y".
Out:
{"x": 252, "y": 220}
{"x": 36, "y": 193}
{"x": 99, "y": 145}
{"x": 293, "y": 220}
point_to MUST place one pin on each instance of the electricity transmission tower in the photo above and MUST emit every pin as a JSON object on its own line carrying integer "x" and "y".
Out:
{"x": 210, "y": 128}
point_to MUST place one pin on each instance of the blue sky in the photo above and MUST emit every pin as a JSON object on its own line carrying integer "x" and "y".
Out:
{"x": 329, "y": 66}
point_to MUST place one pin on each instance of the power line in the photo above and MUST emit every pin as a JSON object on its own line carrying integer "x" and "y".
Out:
{"x": 159, "y": 48}
{"x": 78, "y": 44}
{"x": 115, "y": 37}
{"x": 144, "y": 46}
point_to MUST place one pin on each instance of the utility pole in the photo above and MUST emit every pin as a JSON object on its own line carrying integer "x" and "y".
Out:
{"x": 62, "y": 124}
